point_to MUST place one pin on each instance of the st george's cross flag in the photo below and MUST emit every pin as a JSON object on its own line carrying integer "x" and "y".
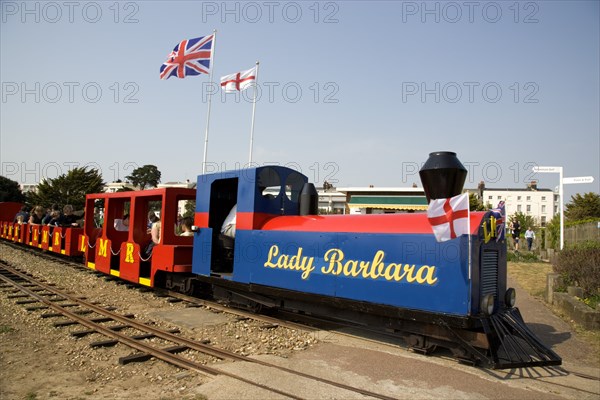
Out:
{"x": 189, "y": 57}
{"x": 239, "y": 81}
{"x": 449, "y": 218}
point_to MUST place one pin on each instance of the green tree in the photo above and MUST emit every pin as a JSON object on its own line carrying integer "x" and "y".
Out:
{"x": 190, "y": 209}
{"x": 582, "y": 207}
{"x": 525, "y": 221}
{"x": 10, "y": 191}
{"x": 69, "y": 188}
{"x": 144, "y": 177}
{"x": 475, "y": 203}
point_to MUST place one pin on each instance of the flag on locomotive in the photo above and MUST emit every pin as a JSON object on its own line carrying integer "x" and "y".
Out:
{"x": 449, "y": 218}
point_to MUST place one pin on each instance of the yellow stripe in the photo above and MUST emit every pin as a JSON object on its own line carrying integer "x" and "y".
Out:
{"x": 115, "y": 272}
{"x": 50, "y": 248}
{"x": 63, "y": 252}
{"x": 91, "y": 265}
{"x": 144, "y": 281}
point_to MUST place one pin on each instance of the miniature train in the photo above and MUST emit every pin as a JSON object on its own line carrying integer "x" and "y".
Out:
{"x": 384, "y": 271}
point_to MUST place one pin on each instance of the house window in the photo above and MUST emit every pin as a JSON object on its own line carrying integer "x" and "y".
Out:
{"x": 499, "y": 197}
{"x": 543, "y": 220}
{"x": 519, "y": 208}
{"x": 528, "y": 198}
{"x": 518, "y": 198}
{"x": 543, "y": 209}
{"x": 543, "y": 198}
{"x": 490, "y": 197}
{"x": 528, "y": 208}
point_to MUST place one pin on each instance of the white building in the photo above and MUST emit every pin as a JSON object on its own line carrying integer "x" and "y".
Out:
{"x": 29, "y": 187}
{"x": 541, "y": 204}
{"x": 114, "y": 187}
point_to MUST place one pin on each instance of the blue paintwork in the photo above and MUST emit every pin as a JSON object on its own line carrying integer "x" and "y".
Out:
{"x": 201, "y": 256}
{"x": 250, "y": 199}
{"x": 449, "y": 294}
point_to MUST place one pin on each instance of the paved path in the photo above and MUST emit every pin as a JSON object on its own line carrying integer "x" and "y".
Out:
{"x": 401, "y": 374}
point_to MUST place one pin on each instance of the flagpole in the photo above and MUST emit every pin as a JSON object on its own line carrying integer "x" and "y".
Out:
{"x": 253, "y": 113}
{"x": 212, "y": 54}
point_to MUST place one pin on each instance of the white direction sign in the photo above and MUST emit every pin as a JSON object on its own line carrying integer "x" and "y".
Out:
{"x": 578, "y": 179}
{"x": 547, "y": 169}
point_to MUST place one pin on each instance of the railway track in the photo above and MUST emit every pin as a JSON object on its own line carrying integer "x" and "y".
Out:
{"x": 37, "y": 295}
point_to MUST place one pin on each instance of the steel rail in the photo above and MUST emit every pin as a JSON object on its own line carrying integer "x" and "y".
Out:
{"x": 164, "y": 355}
{"x": 158, "y": 353}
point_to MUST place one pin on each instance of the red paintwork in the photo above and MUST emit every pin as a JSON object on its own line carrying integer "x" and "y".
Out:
{"x": 8, "y": 210}
{"x": 123, "y": 251}
{"x": 379, "y": 223}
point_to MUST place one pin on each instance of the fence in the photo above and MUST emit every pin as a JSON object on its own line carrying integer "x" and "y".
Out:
{"x": 581, "y": 233}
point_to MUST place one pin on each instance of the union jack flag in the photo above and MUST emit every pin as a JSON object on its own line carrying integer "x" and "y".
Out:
{"x": 500, "y": 214}
{"x": 190, "y": 57}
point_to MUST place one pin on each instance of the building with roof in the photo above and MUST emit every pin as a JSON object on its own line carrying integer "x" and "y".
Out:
{"x": 384, "y": 200}
{"x": 541, "y": 204}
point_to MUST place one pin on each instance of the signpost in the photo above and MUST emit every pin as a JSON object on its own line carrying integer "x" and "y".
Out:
{"x": 563, "y": 181}
{"x": 578, "y": 179}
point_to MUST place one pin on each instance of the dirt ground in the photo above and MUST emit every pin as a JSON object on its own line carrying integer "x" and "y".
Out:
{"x": 39, "y": 361}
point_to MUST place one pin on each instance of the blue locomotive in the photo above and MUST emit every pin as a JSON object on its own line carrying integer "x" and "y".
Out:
{"x": 384, "y": 271}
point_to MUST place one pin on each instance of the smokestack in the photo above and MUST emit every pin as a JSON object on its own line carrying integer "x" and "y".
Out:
{"x": 442, "y": 175}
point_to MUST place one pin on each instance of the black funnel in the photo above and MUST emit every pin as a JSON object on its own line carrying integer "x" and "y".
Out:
{"x": 309, "y": 200}
{"x": 442, "y": 175}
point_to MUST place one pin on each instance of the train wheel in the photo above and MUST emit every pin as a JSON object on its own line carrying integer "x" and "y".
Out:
{"x": 421, "y": 344}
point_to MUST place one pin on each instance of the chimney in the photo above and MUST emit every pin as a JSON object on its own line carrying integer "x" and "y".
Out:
{"x": 534, "y": 185}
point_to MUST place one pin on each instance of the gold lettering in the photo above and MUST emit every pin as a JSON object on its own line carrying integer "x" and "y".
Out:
{"x": 408, "y": 272}
{"x": 56, "y": 238}
{"x": 429, "y": 277}
{"x": 44, "y": 236}
{"x": 273, "y": 251}
{"x": 282, "y": 262}
{"x": 297, "y": 262}
{"x": 350, "y": 268}
{"x": 335, "y": 258}
{"x": 129, "y": 253}
{"x": 102, "y": 245}
{"x": 395, "y": 275}
{"x": 82, "y": 243}
{"x": 377, "y": 265}
{"x": 35, "y": 234}
{"x": 337, "y": 265}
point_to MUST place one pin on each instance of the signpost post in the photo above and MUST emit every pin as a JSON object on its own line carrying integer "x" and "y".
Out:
{"x": 565, "y": 181}
{"x": 548, "y": 170}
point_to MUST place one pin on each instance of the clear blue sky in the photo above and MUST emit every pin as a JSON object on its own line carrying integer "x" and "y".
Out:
{"x": 361, "y": 91}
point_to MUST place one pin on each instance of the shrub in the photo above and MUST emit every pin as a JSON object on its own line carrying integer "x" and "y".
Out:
{"x": 521, "y": 257}
{"x": 579, "y": 265}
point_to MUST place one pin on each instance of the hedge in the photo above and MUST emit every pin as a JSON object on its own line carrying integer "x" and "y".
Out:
{"x": 579, "y": 265}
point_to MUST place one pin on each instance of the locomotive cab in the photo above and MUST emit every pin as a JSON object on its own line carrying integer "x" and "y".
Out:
{"x": 259, "y": 194}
